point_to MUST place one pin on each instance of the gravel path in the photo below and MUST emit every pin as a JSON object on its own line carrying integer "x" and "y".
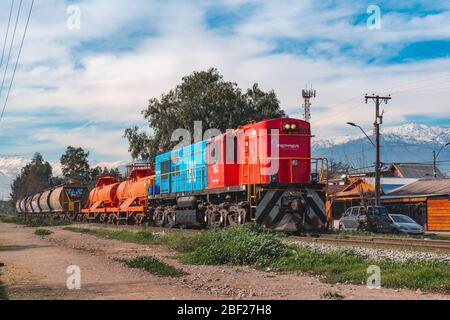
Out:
{"x": 375, "y": 253}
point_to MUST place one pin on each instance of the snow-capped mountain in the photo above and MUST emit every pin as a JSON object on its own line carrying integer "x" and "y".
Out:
{"x": 10, "y": 167}
{"x": 407, "y": 143}
{"x": 408, "y": 133}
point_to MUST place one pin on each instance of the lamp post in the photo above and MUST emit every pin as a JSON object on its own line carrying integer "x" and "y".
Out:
{"x": 377, "y": 163}
{"x": 360, "y": 128}
{"x": 435, "y": 156}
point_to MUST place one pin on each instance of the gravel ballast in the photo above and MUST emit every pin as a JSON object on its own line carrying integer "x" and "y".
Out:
{"x": 375, "y": 253}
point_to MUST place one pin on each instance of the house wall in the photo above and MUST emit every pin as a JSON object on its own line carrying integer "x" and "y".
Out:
{"x": 438, "y": 214}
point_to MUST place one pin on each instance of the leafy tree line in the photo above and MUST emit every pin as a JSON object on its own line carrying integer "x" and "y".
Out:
{"x": 37, "y": 176}
{"x": 202, "y": 96}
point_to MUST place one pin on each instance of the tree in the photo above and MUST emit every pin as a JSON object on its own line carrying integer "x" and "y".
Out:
{"x": 33, "y": 178}
{"x": 97, "y": 172}
{"x": 75, "y": 165}
{"x": 202, "y": 96}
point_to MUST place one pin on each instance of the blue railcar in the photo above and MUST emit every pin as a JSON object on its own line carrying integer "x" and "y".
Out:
{"x": 181, "y": 170}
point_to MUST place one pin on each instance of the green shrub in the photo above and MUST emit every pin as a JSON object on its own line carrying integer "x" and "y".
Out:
{"x": 242, "y": 245}
{"x": 154, "y": 266}
{"x": 43, "y": 232}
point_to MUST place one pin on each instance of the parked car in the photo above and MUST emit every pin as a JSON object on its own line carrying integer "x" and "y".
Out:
{"x": 371, "y": 218}
{"x": 404, "y": 224}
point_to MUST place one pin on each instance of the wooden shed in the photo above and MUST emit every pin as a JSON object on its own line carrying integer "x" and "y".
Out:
{"x": 435, "y": 194}
{"x": 438, "y": 213}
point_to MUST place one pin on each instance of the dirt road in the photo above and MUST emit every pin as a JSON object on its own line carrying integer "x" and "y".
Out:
{"x": 35, "y": 268}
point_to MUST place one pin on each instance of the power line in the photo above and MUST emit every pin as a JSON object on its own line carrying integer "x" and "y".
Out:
{"x": 7, "y": 32}
{"x": 11, "y": 47}
{"x": 17, "y": 61}
{"x": 419, "y": 81}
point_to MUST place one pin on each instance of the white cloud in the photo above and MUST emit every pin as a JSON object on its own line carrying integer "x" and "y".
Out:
{"x": 113, "y": 87}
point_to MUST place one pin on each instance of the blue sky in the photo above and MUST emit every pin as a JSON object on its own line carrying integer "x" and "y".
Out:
{"x": 84, "y": 87}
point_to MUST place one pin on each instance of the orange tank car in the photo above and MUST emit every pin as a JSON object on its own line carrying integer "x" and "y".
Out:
{"x": 102, "y": 198}
{"x": 132, "y": 195}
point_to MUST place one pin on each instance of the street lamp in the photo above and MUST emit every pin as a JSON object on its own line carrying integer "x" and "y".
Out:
{"x": 435, "y": 156}
{"x": 377, "y": 163}
{"x": 360, "y": 128}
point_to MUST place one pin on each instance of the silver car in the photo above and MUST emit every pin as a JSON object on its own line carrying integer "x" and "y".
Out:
{"x": 406, "y": 225}
{"x": 357, "y": 218}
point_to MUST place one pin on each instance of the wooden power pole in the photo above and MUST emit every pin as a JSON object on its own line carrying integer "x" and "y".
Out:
{"x": 378, "y": 122}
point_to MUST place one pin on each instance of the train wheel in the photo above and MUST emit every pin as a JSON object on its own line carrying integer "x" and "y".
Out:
{"x": 242, "y": 216}
{"x": 112, "y": 219}
{"x": 138, "y": 219}
{"x": 213, "y": 218}
{"x": 224, "y": 222}
{"x": 237, "y": 216}
{"x": 159, "y": 218}
{"x": 171, "y": 220}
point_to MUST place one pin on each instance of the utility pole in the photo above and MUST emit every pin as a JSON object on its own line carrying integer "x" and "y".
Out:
{"x": 434, "y": 165}
{"x": 308, "y": 94}
{"x": 378, "y": 122}
{"x": 435, "y": 156}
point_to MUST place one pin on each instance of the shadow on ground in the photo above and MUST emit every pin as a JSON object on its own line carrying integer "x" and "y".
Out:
{"x": 3, "y": 295}
{"x": 20, "y": 248}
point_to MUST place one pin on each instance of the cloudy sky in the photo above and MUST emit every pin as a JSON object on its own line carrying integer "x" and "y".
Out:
{"x": 84, "y": 86}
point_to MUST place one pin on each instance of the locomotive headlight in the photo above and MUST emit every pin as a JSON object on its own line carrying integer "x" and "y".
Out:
{"x": 290, "y": 126}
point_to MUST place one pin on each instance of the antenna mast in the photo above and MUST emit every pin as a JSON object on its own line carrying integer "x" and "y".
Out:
{"x": 308, "y": 94}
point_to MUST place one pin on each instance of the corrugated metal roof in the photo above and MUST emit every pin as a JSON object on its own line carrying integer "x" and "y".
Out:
{"x": 425, "y": 188}
{"x": 417, "y": 170}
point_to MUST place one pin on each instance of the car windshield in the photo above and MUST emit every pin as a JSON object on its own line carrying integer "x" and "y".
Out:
{"x": 402, "y": 219}
{"x": 378, "y": 211}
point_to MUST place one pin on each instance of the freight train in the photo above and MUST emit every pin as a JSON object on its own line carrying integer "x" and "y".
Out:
{"x": 261, "y": 173}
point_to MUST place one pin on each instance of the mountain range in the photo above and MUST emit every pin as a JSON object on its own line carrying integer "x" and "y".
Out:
{"x": 407, "y": 143}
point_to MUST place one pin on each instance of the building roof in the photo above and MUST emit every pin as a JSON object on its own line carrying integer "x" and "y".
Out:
{"x": 416, "y": 170}
{"x": 367, "y": 185}
{"x": 429, "y": 187}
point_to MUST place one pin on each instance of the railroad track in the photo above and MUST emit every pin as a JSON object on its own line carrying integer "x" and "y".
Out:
{"x": 396, "y": 242}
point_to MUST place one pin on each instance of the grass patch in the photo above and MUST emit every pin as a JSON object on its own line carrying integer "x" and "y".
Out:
{"x": 153, "y": 266}
{"x": 141, "y": 237}
{"x": 35, "y": 222}
{"x": 347, "y": 267}
{"x": 43, "y": 232}
{"x": 243, "y": 245}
